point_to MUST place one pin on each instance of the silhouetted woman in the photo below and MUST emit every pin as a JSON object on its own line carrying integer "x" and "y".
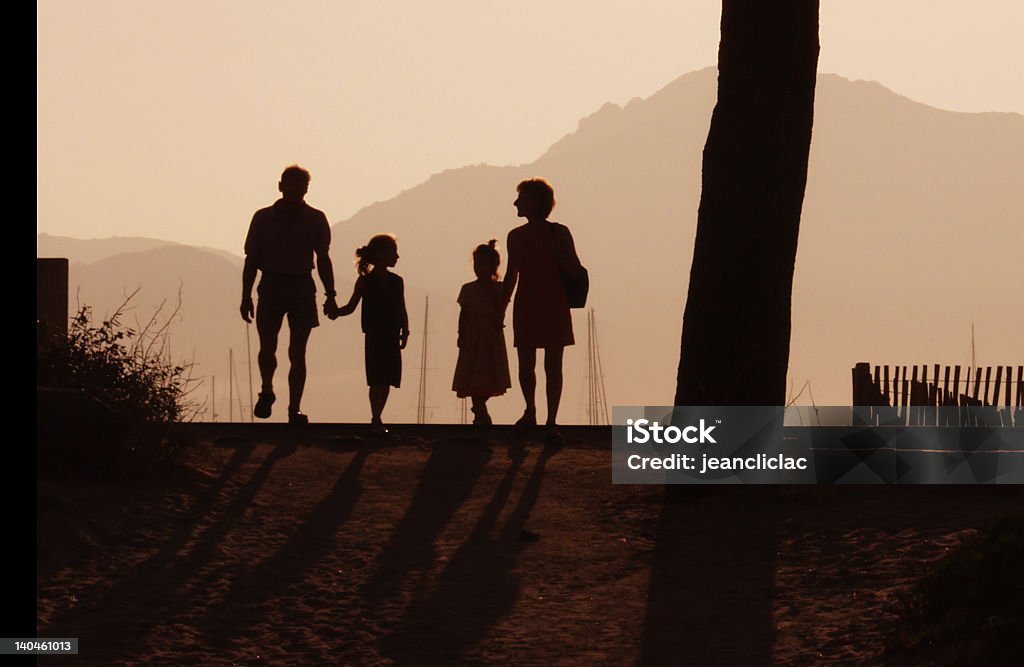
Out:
{"x": 538, "y": 251}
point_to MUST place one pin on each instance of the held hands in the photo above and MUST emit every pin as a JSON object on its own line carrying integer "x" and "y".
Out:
{"x": 331, "y": 309}
{"x": 247, "y": 309}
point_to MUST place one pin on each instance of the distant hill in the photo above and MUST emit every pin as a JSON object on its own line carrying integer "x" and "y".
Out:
{"x": 87, "y": 251}
{"x": 910, "y": 232}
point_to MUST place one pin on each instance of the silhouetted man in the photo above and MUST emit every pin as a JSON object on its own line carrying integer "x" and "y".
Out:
{"x": 281, "y": 243}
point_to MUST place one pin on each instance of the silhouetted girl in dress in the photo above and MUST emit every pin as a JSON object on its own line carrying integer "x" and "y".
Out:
{"x": 385, "y": 321}
{"x": 482, "y": 367}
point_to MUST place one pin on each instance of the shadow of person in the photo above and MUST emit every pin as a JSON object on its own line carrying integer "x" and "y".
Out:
{"x": 477, "y": 587}
{"x": 244, "y": 604}
{"x": 446, "y": 482}
{"x": 153, "y": 582}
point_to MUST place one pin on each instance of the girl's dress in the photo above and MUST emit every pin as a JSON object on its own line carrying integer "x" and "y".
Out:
{"x": 482, "y": 367}
{"x": 383, "y": 318}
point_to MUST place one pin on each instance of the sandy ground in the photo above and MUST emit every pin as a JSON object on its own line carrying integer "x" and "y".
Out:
{"x": 463, "y": 547}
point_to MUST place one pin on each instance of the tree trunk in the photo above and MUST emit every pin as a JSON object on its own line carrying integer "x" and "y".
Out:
{"x": 736, "y": 326}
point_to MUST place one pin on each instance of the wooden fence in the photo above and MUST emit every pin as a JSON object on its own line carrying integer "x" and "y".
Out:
{"x": 939, "y": 395}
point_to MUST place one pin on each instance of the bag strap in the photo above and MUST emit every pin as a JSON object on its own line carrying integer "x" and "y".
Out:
{"x": 562, "y": 249}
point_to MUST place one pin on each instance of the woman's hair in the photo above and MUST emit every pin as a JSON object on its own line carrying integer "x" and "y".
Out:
{"x": 542, "y": 190}
{"x": 487, "y": 254}
{"x": 369, "y": 254}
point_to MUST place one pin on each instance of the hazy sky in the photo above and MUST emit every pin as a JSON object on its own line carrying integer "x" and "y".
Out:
{"x": 174, "y": 119}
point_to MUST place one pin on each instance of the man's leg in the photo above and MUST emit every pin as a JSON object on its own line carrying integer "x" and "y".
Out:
{"x": 528, "y": 380}
{"x": 298, "y": 338}
{"x": 268, "y": 326}
{"x": 553, "y": 379}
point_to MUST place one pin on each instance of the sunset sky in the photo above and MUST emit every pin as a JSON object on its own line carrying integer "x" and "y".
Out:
{"x": 173, "y": 119}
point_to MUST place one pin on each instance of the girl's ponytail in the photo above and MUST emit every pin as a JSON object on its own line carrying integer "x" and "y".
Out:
{"x": 363, "y": 262}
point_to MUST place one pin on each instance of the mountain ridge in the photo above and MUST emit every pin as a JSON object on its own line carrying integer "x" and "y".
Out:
{"x": 905, "y": 240}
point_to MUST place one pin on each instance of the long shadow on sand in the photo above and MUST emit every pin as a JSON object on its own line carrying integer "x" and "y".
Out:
{"x": 447, "y": 480}
{"x": 476, "y": 587}
{"x": 205, "y": 549}
{"x": 712, "y": 581}
{"x": 153, "y": 582}
{"x": 243, "y": 604}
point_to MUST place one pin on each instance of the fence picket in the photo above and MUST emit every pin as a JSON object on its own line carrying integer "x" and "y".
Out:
{"x": 897, "y": 395}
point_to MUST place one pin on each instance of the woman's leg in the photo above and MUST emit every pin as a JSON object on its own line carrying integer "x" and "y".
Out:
{"x": 553, "y": 378}
{"x": 528, "y": 377}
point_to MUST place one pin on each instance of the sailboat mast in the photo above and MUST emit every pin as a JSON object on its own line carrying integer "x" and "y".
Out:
{"x": 591, "y": 412}
{"x": 972, "y": 345}
{"x": 231, "y": 378}
{"x": 602, "y": 398}
{"x": 597, "y": 402}
{"x": 421, "y": 406}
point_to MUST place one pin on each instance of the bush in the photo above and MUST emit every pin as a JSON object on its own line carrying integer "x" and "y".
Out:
{"x": 126, "y": 369}
{"x": 107, "y": 396}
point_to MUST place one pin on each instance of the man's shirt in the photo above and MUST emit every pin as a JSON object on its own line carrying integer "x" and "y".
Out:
{"x": 283, "y": 238}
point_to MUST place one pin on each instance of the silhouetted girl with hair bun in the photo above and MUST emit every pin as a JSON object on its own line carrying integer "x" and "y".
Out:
{"x": 385, "y": 321}
{"x": 482, "y": 367}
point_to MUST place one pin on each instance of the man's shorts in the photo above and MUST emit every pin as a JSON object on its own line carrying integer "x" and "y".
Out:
{"x": 294, "y": 296}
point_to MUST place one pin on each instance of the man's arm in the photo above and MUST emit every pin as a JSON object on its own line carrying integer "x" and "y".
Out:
{"x": 252, "y": 254}
{"x": 325, "y": 268}
{"x": 248, "y": 280}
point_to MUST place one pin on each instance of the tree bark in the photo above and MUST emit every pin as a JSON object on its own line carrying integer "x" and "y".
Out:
{"x": 736, "y": 325}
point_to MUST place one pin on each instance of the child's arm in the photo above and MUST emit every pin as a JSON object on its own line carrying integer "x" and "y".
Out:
{"x": 463, "y": 320}
{"x": 404, "y": 333}
{"x": 357, "y": 294}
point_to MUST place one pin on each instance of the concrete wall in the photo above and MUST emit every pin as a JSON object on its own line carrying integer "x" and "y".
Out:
{"x": 52, "y": 294}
